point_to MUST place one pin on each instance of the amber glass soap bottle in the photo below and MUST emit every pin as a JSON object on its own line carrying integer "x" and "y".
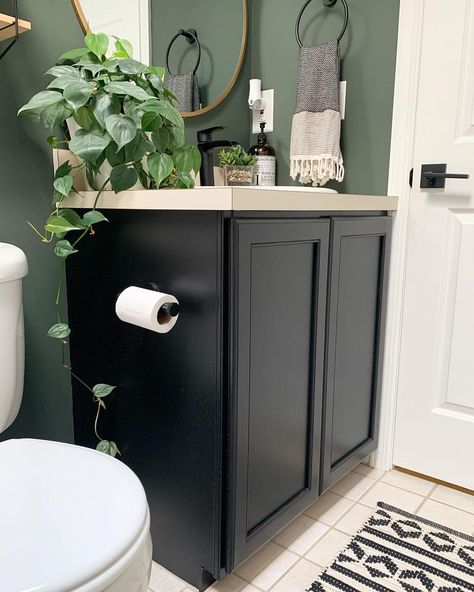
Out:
{"x": 265, "y": 169}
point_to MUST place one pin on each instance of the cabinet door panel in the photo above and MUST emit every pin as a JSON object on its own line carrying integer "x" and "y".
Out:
{"x": 279, "y": 329}
{"x": 358, "y": 277}
{"x": 280, "y": 367}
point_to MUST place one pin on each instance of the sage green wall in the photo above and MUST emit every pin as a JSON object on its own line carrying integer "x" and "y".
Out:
{"x": 369, "y": 55}
{"x": 25, "y": 194}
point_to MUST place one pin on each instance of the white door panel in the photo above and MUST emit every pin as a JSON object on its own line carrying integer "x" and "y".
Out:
{"x": 435, "y": 415}
{"x": 127, "y": 19}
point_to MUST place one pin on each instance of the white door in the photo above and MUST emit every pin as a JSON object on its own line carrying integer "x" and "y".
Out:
{"x": 127, "y": 19}
{"x": 435, "y": 416}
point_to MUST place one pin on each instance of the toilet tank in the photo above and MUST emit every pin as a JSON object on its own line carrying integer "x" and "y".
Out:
{"x": 13, "y": 267}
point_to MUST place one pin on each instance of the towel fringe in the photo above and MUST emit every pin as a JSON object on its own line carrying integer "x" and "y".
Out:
{"x": 317, "y": 170}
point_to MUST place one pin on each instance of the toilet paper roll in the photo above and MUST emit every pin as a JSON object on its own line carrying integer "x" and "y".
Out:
{"x": 148, "y": 309}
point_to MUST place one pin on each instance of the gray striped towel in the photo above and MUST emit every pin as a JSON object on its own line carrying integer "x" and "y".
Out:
{"x": 186, "y": 89}
{"x": 315, "y": 153}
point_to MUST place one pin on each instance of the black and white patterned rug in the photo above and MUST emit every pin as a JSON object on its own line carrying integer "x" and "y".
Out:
{"x": 398, "y": 552}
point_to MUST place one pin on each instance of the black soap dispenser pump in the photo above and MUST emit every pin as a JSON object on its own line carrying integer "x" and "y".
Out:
{"x": 265, "y": 155}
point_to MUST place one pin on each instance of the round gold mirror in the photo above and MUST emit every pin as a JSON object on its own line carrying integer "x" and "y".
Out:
{"x": 203, "y": 60}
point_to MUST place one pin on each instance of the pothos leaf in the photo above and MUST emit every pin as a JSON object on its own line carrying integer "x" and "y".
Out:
{"x": 53, "y": 115}
{"x": 114, "y": 155}
{"x": 184, "y": 181}
{"x": 137, "y": 148}
{"x": 108, "y": 447}
{"x": 97, "y": 43}
{"x": 163, "y": 108}
{"x": 168, "y": 138}
{"x": 64, "y": 248}
{"x": 41, "y": 100}
{"x": 74, "y": 54}
{"x": 104, "y": 105}
{"x": 121, "y": 128}
{"x": 127, "y": 88}
{"x": 151, "y": 122}
{"x": 162, "y": 139}
{"x": 156, "y": 71}
{"x": 123, "y": 48}
{"x": 187, "y": 159}
{"x": 77, "y": 93}
{"x": 84, "y": 118}
{"x": 59, "y": 71}
{"x": 52, "y": 141}
{"x": 92, "y": 217}
{"x": 102, "y": 390}
{"x": 123, "y": 178}
{"x": 71, "y": 216}
{"x": 59, "y": 331}
{"x": 63, "y": 169}
{"x": 63, "y": 185}
{"x": 62, "y": 82}
{"x": 89, "y": 145}
{"x": 161, "y": 166}
{"x": 59, "y": 225}
{"x": 131, "y": 67}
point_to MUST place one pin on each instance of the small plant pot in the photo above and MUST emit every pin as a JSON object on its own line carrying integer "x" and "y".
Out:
{"x": 238, "y": 175}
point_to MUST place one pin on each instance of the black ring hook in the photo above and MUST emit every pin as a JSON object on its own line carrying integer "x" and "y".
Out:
{"x": 328, "y": 3}
{"x": 191, "y": 37}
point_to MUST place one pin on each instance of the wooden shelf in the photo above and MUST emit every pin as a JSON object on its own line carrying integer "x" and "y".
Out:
{"x": 7, "y": 26}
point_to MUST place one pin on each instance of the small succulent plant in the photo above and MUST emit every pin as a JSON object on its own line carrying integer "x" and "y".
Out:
{"x": 236, "y": 156}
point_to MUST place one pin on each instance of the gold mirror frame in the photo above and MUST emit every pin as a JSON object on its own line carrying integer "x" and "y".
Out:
{"x": 81, "y": 17}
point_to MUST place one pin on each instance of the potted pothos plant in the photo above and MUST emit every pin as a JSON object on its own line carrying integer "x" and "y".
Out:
{"x": 127, "y": 126}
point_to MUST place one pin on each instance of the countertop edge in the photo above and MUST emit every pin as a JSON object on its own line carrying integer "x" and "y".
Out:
{"x": 232, "y": 199}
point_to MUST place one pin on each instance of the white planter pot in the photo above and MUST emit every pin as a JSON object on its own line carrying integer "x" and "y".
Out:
{"x": 101, "y": 178}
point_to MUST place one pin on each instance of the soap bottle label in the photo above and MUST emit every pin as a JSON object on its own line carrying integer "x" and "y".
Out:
{"x": 265, "y": 171}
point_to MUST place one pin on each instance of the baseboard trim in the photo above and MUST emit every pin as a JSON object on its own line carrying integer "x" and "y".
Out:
{"x": 434, "y": 480}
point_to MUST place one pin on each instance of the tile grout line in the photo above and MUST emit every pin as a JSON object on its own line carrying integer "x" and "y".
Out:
{"x": 344, "y": 497}
{"x": 280, "y": 578}
{"x": 450, "y": 506}
{"x": 359, "y": 500}
{"x": 404, "y": 489}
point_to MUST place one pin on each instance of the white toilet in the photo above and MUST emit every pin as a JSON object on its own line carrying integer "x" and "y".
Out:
{"x": 71, "y": 519}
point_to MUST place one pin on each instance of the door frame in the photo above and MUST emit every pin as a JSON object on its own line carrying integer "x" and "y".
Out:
{"x": 401, "y": 162}
{"x": 145, "y": 31}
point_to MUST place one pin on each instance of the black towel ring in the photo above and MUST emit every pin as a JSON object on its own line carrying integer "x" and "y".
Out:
{"x": 191, "y": 37}
{"x": 328, "y": 3}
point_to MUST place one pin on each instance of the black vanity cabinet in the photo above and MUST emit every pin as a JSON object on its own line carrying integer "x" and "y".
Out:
{"x": 279, "y": 286}
{"x": 266, "y": 391}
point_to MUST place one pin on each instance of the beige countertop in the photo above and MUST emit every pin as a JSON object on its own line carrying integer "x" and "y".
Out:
{"x": 278, "y": 199}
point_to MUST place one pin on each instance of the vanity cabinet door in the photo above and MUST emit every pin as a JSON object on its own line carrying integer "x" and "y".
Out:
{"x": 278, "y": 302}
{"x": 356, "y": 314}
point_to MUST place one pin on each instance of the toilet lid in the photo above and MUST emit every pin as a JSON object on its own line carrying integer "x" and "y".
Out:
{"x": 67, "y": 514}
{"x": 13, "y": 264}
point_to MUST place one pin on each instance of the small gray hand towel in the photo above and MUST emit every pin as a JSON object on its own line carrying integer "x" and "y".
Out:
{"x": 186, "y": 89}
{"x": 315, "y": 138}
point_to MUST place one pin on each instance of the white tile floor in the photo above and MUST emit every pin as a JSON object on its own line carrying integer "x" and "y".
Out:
{"x": 295, "y": 557}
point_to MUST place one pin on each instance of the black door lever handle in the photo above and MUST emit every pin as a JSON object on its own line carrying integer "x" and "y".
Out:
{"x": 433, "y": 176}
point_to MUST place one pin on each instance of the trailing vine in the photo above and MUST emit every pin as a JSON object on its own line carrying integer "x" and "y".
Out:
{"x": 127, "y": 122}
